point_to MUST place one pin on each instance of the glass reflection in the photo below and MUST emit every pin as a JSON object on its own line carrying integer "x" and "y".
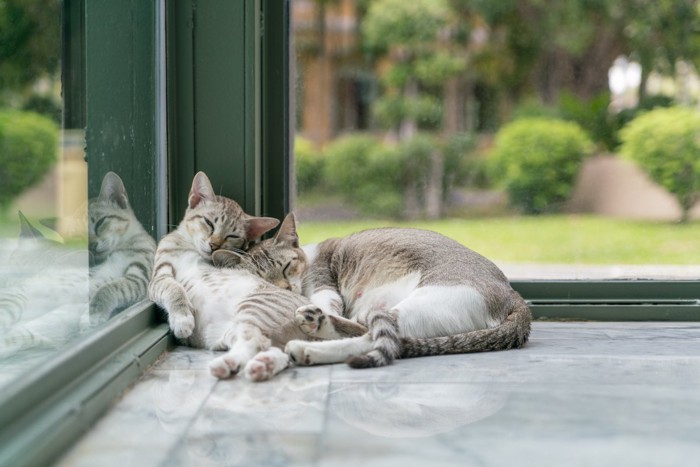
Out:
{"x": 121, "y": 252}
{"x": 67, "y": 264}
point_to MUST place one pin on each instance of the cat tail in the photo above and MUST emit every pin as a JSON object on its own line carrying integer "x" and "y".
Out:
{"x": 512, "y": 333}
{"x": 386, "y": 343}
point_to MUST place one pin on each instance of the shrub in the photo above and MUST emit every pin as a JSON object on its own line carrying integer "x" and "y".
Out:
{"x": 366, "y": 173}
{"x": 665, "y": 142}
{"x": 308, "y": 165}
{"x": 537, "y": 160}
{"x": 462, "y": 167}
{"x": 28, "y": 149}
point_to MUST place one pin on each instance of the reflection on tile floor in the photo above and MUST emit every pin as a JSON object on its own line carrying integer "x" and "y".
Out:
{"x": 579, "y": 394}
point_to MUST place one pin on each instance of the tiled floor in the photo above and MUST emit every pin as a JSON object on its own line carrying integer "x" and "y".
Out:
{"x": 580, "y": 394}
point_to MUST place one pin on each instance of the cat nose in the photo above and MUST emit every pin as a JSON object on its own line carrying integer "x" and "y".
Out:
{"x": 215, "y": 242}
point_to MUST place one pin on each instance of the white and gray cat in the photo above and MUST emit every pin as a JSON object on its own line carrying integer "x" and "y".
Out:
{"x": 237, "y": 309}
{"x": 51, "y": 293}
{"x": 418, "y": 292}
{"x": 121, "y": 252}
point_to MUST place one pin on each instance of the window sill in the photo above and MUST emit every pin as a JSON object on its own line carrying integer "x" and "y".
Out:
{"x": 45, "y": 411}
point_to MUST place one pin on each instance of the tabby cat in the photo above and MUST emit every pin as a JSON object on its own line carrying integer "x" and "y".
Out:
{"x": 47, "y": 286}
{"x": 121, "y": 252}
{"x": 418, "y": 292}
{"x": 236, "y": 309}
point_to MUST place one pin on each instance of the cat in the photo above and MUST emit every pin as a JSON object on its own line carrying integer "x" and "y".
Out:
{"x": 418, "y": 292}
{"x": 121, "y": 252}
{"x": 43, "y": 292}
{"x": 234, "y": 309}
{"x": 52, "y": 293}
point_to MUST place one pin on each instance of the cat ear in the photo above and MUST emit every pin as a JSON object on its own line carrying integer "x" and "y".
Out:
{"x": 226, "y": 258}
{"x": 201, "y": 190}
{"x": 113, "y": 190}
{"x": 288, "y": 231}
{"x": 257, "y": 226}
{"x": 27, "y": 230}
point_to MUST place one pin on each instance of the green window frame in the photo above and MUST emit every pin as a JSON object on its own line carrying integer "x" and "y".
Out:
{"x": 207, "y": 86}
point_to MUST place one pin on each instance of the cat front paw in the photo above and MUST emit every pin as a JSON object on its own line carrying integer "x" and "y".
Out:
{"x": 297, "y": 351}
{"x": 309, "y": 318}
{"x": 182, "y": 324}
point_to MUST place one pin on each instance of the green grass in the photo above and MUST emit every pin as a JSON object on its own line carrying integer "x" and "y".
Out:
{"x": 564, "y": 239}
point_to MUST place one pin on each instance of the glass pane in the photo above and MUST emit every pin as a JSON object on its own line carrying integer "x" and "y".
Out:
{"x": 559, "y": 139}
{"x": 67, "y": 263}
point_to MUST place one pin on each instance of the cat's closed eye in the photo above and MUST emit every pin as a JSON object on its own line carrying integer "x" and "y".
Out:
{"x": 99, "y": 224}
{"x": 208, "y": 222}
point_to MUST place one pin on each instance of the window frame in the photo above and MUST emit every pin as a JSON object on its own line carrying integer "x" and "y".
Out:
{"x": 46, "y": 410}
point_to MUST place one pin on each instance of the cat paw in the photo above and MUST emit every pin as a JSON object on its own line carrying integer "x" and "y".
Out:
{"x": 266, "y": 364}
{"x": 298, "y": 353}
{"x": 224, "y": 366}
{"x": 182, "y": 324}
{"x": 309, "y": 318}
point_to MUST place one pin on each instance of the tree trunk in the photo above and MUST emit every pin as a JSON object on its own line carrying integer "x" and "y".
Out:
{"x": 409, "y": 127}
{"x": 433, "y": 191}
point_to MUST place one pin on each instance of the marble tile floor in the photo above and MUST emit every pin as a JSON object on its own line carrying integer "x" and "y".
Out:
{"x": 580, "y": 394}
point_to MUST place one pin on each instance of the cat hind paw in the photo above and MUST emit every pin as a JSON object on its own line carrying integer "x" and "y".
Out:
{"x": 224, "y": 367}
{"x": 265, "y": 365}
{"x": 309, "y": 318}
{"x": 298, "y": 353}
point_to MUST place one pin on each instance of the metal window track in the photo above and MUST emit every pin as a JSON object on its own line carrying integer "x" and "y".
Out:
{"x": 47, "y": 409}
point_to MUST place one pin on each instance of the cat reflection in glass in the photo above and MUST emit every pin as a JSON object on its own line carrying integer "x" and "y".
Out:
{"x": 51, "y": 293}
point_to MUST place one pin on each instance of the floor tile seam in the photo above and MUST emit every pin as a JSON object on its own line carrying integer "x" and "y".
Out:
{"x": 491, "y": 382}
{"x": 185, "y": 431}
{"x": 323, "y": 436}
{"x": 200, "y": 434}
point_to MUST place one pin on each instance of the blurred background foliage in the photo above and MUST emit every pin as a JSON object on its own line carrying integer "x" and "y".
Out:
{"x": 30, "y": 94}
{"x": 461, "y": 88}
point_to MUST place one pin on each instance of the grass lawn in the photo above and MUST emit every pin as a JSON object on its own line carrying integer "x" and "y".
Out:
{"x": 561, "y": 239}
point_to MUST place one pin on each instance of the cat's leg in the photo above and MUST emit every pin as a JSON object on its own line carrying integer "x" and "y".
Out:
{"x": 12, "y": 303}
{"x": 266, "y": 364}
{"x": 328, "y": 299}
{"x": 116, "y": 294}
{"x": 244, "y": 342}
{"x": 166, "y": 292}
{"x": 333, "y": 351}
{"x": 315, "y": 323}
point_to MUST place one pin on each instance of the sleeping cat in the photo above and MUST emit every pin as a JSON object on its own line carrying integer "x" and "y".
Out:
{"x": 233, "y": 309}
{"x": 45, "y": 291}
{"x": 121, "y": 252}
{"x": 418, "y": 292}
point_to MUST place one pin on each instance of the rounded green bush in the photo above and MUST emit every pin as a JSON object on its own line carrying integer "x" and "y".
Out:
{"x": 537, "y": 160}
{"x": 308, "y": 165}
{"x": 366, "y": 173}
{"x": 665, "y": 142}
{"x": 347, "y": 161}
{"x": 28, "y": 149}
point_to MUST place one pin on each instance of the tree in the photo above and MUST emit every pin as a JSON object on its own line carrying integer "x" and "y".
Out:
{"x": 418, "y": 55}
{"x": 30, "y": 40}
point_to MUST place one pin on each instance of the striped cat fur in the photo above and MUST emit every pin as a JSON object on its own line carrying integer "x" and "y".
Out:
{"x": 236, "y": 309}
{"x": 419, "y": 293}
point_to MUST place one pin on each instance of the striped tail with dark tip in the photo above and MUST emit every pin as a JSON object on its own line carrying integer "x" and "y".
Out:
{"x": 386, "y": 343}
{"x": 512, "y": 333}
